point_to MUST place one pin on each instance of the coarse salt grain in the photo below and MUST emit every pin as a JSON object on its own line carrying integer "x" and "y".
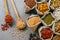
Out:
{"x": 57, "y": 14}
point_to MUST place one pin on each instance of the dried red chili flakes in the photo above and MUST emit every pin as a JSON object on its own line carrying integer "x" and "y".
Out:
{"x": 8, "y": 19}
{"x": 4, "y": 27}
{"x": 46, "y": 33}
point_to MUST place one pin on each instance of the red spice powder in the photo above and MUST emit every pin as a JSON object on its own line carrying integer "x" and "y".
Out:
{"x": 30, "y": 3}
{"x": 46, "y": 33}
{"x": 8, "y": 19}
{"x": 4, "y": 27}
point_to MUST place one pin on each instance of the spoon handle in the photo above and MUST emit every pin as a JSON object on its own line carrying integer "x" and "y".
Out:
{"x": 6, "y": 6}
{"x": 14, "y": 7}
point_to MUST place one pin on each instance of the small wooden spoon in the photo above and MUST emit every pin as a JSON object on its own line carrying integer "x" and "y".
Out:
{"x": 6, "y": 7}
{"x": 20, "y": 24}
{"x": 8, "y": 17}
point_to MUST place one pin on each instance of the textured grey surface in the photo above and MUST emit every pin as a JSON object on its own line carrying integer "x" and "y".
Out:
{"x": 5, "y": 35}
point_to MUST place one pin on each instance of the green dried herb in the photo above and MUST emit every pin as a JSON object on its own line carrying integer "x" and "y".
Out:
{"x": 48, "y": 19}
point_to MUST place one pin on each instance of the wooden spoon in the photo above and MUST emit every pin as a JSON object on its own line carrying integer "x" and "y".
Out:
{"x": 6, "y": 7}
{"x": 8, "y": 17}
{"x": 20, "y": 24}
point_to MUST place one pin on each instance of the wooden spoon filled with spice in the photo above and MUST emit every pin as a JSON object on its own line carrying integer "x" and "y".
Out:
{"x": 8, "y": 17}
{"x": 20, "y": 24}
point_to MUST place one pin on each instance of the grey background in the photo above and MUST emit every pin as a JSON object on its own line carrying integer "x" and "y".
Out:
{"x": 5, "y": 35}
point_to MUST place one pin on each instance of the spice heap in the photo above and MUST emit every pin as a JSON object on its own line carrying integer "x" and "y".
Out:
{"x": 55, "y": 3}
{"x": 8, "y": 19}
{"x": 4, "y": 27}
{"x": 46, "y": 33}
{"x": 30, "y": 3}
{"x": 42, "y": 7}
{"x": 48, "y": 19}
{"x": 57, "y": 37}
{"x": 33, "y": 20}
{"x": 20, "y": 24}
{"x": 57, "y": 13}
{"x": 57, "y": 26}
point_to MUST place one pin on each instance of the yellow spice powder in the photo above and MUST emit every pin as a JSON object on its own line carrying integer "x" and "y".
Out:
{"x": 34, "y": 20}
{"x": 42, "y": 7}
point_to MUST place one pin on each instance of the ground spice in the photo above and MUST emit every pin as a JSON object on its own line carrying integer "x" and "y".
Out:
{"x": 46, "y": 33}
{"x": 30, "y": 3}
{"x": 33, "y": 20}
{"x": 42, "y": 7}
{"x": 57, "y": 37}
{"x": 8, "y": 19}
{"x": 4, "y": 27}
